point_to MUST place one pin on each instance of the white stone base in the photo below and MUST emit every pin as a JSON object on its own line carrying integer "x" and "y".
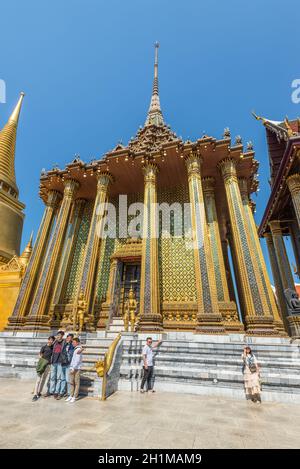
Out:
{"x": 186, "y": 388}
{"x": 172, "y": 335}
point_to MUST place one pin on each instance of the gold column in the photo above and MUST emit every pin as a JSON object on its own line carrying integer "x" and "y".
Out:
{"x": 39, "y": 312}
{"x": 92, "y": 248}
{"x": 226, "y": 307}
{"x": 208, "y": 184}
{"x": 209, "y": 317}
{"x": 277, "y": 279}
{"x": 295, "y": 238}
{"x": 258, "y": 317}
{"x": 225, "y": 247}
{"x": 293, "y": 183}
{"x": 286, "y": 275}
{"x": 150, "y": 317}
{"x": 270, "y": 303}
{"x": 281, "y": 255}
{"x": 22, "y": 305}
{"x": 68, "y": 250}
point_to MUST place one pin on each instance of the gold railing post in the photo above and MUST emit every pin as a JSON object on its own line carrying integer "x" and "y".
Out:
{"x": 104, "y": 380}
{"x": 102, "y": 367}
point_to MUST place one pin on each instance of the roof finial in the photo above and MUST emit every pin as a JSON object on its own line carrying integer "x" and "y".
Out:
{"x": 154, "y": 114}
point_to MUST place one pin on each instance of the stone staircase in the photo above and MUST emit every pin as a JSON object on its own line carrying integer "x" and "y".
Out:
{"x": 116, "y": 326}
{"x": 212, "y": 366}
{"x": 19, "y": 354}
{"x": 184, "y": 363}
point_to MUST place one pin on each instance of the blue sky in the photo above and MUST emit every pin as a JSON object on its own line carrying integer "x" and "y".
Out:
{"x": 86, "y": 67}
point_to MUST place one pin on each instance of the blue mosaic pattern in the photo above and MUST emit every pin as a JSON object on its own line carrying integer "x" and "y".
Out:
{"x": 235, "y": 195}
{"x": 28, "y": 272}
{"x": 259, "y": 264}
{"x": 209, "y": 200}
{"x": 48, "y": 258}
{"x": 207, "y": 301}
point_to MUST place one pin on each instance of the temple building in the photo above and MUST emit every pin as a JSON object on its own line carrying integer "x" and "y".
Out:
{"x": 211, "y": 279}
{"x": 282, "y": 215}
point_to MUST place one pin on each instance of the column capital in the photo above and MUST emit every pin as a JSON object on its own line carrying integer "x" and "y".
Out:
{"x": 53, "y": 198}
{"x": 193, "y": 161}
{"x": 227, "y": 166}
{"x": 243, "y": 185}
{"x": 80, "y": 201}
{"x": 293, "y": 182}
{"x": 268, "y": 237}
{"x": 104, "y": 179}
{"x": 71, "y": 186}
{"x": 208, "y": 185}
{"x": 150, "y": 171}
{"x": 275, "y": 227}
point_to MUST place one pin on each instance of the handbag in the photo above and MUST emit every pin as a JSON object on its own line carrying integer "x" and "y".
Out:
{"x": 41, "y": 366}
{"x": 252, "y": 365}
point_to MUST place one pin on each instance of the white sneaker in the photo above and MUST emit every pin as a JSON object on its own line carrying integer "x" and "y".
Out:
{"x": 72, "y": 400}
{"x": 68, "y": 399}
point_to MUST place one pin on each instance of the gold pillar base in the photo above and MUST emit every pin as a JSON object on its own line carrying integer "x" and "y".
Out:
{"x": 210, "y": 324}
{"x": 150, "y": 323}
{"x": 15, "y": 324}
{"x": 261, "y": 325}
{"x": 103, "y": 316}
{"x": 230, "y": 317}
{"x": 294, "y": 325}
{"x": 279, "y": 326}
{"x": 37, "y": 323}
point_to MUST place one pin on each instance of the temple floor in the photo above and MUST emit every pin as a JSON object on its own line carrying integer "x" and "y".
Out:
{"x": 132, "y": 420}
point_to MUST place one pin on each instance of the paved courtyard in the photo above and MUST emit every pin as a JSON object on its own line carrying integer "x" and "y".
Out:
{"x": 132, "y": 420}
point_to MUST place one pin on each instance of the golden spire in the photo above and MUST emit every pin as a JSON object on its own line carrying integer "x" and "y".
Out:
{"x": 25, "y": 256}
{"x": 155, "y": 116}
{"x": 7, "y": 147}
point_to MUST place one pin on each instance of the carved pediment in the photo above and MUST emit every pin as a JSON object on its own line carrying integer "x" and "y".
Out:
{"x": 132, "y": 248}
{"x": 14, "y": 265}
{"x": 151, "y": 139}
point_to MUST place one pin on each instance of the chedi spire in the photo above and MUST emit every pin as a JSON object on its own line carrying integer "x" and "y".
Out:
{"x": 155, "y": 116}
{"x": 8, "y": 137}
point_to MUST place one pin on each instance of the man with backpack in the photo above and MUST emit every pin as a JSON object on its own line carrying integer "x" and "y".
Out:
{"x": 43, "y": 367}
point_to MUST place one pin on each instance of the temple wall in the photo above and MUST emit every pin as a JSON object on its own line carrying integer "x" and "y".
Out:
{"x": 9, "y": 288}
{"x": 176, "y": 261}
{"x": 74, "y": 277}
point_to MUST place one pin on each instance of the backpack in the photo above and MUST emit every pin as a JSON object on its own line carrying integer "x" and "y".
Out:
{"x": 41, "y": 366}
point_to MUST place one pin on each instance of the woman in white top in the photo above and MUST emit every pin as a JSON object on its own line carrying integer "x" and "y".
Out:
{"x": 251, "y": 374}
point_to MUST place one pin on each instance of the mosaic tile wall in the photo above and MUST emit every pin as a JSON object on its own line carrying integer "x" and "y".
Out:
{"x": 176, "y": 259}
{"x": 74, "y": 278}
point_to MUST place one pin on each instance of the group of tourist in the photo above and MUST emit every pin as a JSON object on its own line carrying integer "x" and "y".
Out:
{"x": 59, "y": 361}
